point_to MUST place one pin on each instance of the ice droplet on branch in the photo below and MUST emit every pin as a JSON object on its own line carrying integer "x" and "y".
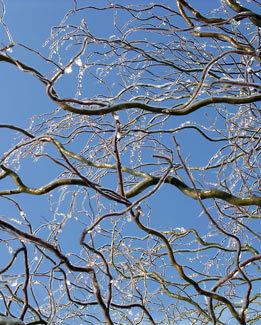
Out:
{"x": 68, "y": 69}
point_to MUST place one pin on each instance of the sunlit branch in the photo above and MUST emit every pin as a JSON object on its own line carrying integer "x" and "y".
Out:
{"x": 39, "y": 241}
{"x": 255, "y": 18}
{"x": 94, "y": 239}
{"x": 181, "y": 272}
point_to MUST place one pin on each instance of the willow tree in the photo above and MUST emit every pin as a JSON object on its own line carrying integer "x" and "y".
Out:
{"x": 134, "y": 200}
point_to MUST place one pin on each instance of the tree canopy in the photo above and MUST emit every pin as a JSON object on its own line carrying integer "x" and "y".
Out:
{"x": 134, "y": 198}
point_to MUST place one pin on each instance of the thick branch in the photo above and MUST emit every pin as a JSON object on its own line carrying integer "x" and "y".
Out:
{"x": 204, "y": 194}
{"x": 175, "y": 111}
{"x": 255, "y": 18}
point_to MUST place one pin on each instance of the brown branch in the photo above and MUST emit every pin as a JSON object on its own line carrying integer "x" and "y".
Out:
{"x": 22, "y": 188}
{"x": 180, "y": 269}
{"x": 189, "y": 191}
{"x": 198, "y": 15}
{"x": 174, "y": 111}
{"x": 39, "y": 241}
{"x": 254, "y": 17}
{"x": 16, "y": 128}
{"x": 234, "y": 272}
{"x": 117, "y": 156}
